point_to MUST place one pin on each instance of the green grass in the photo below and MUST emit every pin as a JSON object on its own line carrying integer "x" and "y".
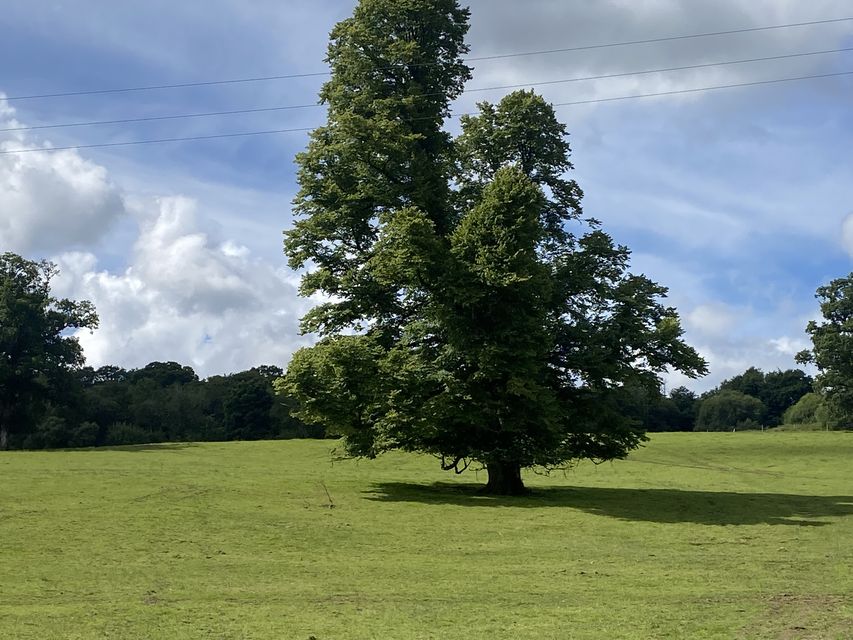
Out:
{"x": 803, "y": 426}
{"x": 726, "y": 535}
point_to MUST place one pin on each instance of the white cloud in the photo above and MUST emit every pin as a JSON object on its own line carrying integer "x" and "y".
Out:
{"x": 711, "y": 319}
{"x": 789, "y": 346}
{"x": 185, "y": 297}
{"x": 847, "y": 234}
{"x": 51, "y": 201}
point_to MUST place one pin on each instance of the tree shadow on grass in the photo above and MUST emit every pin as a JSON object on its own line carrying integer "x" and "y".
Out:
{"x": 647, "y": 505}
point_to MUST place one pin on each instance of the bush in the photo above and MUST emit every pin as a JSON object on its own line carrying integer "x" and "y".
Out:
{"x": 748, "y": 425}
{"x": 125, "y": 433}
{"x": 831, "y": 416}
{"x": 727, "y": 410}
{"x": 804, "y": 411}
{"x": 50, "y": 433}
{"x": 85, "y": 435}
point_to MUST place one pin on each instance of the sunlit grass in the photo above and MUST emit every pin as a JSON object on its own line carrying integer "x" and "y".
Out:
{"x": 700, "y": 535}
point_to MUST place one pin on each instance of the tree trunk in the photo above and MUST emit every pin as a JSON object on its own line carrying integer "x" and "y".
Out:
{"x": 4, "y": 437}
{"x": 504, "y": 479}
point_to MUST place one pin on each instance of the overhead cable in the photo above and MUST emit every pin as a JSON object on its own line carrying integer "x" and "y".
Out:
{"x": 301, "y": 129}
{"x": 206, "y": 114}
{"x": 499, "y": 56}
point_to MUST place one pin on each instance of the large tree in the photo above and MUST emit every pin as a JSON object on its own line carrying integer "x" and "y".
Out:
{"x": 473, "y": 313}
{"x": 36, "y": 351}
{"x": 832, "y": 349}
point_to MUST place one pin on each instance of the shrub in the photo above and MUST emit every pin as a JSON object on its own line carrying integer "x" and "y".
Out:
{"x": 803, "y": 412}
{"x": 727, "y": 409}
{"x": 125, "y": 433}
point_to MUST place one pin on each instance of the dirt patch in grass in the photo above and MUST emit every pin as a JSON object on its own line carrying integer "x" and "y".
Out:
{"x": 803, "y": 617}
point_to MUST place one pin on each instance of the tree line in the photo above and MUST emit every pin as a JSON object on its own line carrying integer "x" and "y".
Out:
{"x": 49, "y": 399}
{"x": 161, "y": 402}
{"x": 751, "y": 400}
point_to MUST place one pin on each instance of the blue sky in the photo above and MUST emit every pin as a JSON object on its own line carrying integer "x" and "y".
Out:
{"x": 736, "y": 199}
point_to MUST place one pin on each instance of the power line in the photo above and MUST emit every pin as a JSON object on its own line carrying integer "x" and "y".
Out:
{"x": 204, "y": 114}
{"x": 558, "y": 104}
{"x": 698, "y": 89}
{"x": 469, "y": 59}
{"x": 241, "y": 134}
{"x": 476, "y": 89}
{"x": 627, "y": 43}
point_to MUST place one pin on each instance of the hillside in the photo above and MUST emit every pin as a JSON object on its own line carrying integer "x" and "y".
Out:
{"x": 694, "y": 536}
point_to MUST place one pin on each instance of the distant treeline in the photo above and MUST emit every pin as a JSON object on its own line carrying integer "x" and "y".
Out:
{"x": 751, "y": 400}
{"x": 161, "y": 402}
{"x": 167, "y": 402}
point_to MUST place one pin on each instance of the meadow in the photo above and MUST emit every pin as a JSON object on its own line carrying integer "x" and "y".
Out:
{"x": 696, "y": 535}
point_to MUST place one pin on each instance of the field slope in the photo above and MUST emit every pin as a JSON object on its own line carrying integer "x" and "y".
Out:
{"x": 746, "y": 535}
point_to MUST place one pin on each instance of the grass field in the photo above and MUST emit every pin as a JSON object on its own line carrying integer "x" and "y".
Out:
{"x": 727, "y": 535}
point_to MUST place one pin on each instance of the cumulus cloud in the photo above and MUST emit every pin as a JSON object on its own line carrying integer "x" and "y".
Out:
{"x": 185, "y": 297}
{"x": 51, "y": 200}
{"x": 730, "y": 357}
{"x": 711, "y": 319}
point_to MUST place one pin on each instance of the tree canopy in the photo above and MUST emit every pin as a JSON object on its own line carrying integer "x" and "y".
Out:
{"x": 472, "y": 312}
{"x": 777, "y": 390}
{"x": 728, "y": 409}
{"x": 36, "y": 352}
{"x": 832, "y": 349}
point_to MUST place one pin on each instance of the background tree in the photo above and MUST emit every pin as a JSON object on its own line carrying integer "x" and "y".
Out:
{"x": 476, "y": 316}
{"x": 804, "y": 411}
{"x": 750, "y": 382}
{"x": 247, "y": 407}
{"x": 832, "y": 349}
{"x": 687, "y": 405}
{"x": 35, "y": 350}
{"x": 728, "y": 409}
{"x": 161, "y": 402}
{"x": 782, "y": 389}
{"x": 777, "y": 390}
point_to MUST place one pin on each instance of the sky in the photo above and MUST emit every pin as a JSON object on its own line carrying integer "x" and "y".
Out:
{"x": 739, "y": 200}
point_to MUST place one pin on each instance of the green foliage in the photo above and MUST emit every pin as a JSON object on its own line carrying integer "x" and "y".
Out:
{"x": 35, "y": 351}
{"x": 778, "y": 390}
{"x": 162, "y": 402}
{"x": 396, "y": 69}
{"x": 750, "y": 382}
{"x": 473, "y": 314}
{"x": 832, "y": 350}
{"x": 728, "y": 409}
{"x": 831, "y": 416}
{"x": 247, "y": 408}
{"x": 122, "y": 433}
{"x": 161, "y": 374}
{"x": 701, "y": 536}
{"x": 804, "y": 411}
{"x": 782, "y": 389}
{"x": 814, "y": 412}
{"x": 686, "y": 404}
